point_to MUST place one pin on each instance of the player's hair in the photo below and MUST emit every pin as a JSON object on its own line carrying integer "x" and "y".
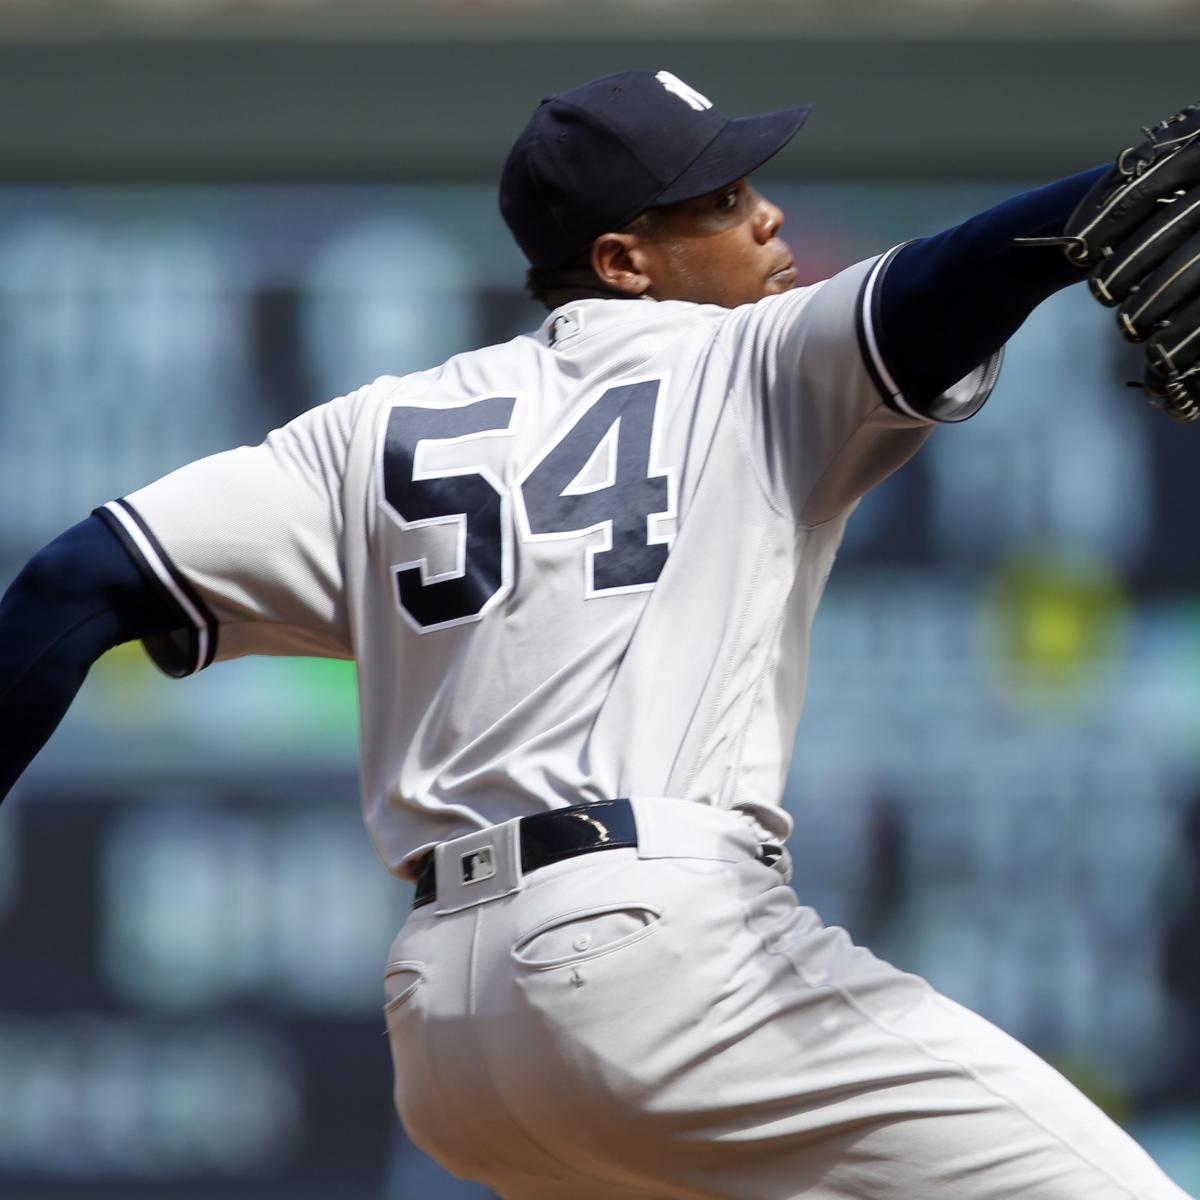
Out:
{"x": 575, "y": 280}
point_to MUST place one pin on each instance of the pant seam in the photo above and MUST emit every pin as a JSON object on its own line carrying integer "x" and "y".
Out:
{"x": 567, "y": 1170}
{"x": 967, "y": 1071}
{"x": 485, "y": 1058}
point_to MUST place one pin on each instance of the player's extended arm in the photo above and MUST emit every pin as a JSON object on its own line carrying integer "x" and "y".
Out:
{"x": 947, "y": 303}
{"x": 76, "y": 598}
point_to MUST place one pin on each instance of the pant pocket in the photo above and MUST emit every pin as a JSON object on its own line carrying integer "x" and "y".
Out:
{"x": 403, "y": 983}
{"x": 586, "y": 933}
{"x": 402, "y": 980}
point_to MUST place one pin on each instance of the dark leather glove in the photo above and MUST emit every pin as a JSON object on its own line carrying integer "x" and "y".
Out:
{"x": 1138, "y": 233}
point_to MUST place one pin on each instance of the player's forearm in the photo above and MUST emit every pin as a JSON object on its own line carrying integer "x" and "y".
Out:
{"x": 948, "y": 302}
{"x": 78, "y": 597}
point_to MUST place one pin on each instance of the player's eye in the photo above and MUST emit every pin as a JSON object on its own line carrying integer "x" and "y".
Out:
{"x": 728, "y": 199}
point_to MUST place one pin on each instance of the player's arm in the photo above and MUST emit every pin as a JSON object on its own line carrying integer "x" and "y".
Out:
{"x": 846, "y": 379}
{"x": 77, "y": 598}
{"x": 238, "y": 553}
{"x": 942, "y": 305}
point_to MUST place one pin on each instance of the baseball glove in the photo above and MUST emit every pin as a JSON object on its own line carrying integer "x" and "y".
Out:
{"x": 1138, "y": 233}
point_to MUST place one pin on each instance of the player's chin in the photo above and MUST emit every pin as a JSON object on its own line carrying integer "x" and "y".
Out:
{"x": 780, "y": 281}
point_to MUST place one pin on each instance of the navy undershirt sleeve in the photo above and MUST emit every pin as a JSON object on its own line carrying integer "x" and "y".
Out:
{"x": 76, "y": 598}
{"x": 947, "y": 303}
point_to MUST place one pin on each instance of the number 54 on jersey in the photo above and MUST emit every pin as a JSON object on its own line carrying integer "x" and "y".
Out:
{"x": 600, "y": 476}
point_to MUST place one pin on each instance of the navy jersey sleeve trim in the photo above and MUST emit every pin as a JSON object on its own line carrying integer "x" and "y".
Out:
{"x": 174, "y": 655}
{"x": 867, "y": 316}
{"x": 74, "y": 600}
{"x": 957, "y": 403}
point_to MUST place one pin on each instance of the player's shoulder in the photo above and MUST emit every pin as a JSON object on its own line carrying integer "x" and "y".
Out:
{"x": 576, "y": 337}
{"x": 466, "y": 372}
{"x": 593, "y": 333}
{"x": 786, "y": 319}
{"x": 776, "y": 307}
{"x": 663, "y": 318}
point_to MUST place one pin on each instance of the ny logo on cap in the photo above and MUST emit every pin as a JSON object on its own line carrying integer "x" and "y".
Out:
{"x": 688, "y": 94}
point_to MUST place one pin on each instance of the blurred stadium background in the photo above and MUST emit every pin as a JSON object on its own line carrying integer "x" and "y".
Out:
{"x": 216, "y": 214}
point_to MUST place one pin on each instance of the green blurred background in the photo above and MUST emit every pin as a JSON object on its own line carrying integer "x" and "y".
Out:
{"x": 214, "y": 215}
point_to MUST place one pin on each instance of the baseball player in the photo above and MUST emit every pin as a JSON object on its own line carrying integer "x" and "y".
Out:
{"x": 577, "y": 573}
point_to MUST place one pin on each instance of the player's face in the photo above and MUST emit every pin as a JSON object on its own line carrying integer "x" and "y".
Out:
{"x": 722, "y": 248}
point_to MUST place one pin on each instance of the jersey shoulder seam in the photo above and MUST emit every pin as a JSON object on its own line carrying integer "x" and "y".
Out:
{"x": 850, "y": 436}
{"x": 743, "y": 437}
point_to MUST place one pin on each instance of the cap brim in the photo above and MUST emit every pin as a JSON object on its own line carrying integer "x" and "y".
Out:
{"x": 740, "y": 148}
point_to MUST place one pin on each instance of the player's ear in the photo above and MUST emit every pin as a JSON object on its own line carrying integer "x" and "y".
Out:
{"x": 620, "y": 262}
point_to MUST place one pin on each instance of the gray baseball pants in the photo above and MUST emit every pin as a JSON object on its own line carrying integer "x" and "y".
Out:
{"x": 668, "y": 1023}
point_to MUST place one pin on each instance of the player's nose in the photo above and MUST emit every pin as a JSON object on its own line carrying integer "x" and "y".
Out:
{"x": 768, "y": 218}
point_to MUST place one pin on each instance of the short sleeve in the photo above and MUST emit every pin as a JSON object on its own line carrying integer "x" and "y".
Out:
{"x": 247, "y": 546}
{"x": 824, "y": 425}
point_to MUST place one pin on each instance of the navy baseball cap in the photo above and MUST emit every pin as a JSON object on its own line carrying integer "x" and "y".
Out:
{"x": 592, "y": 159}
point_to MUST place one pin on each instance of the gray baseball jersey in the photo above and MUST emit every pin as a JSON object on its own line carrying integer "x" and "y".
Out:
{"x": 580, "y": 565}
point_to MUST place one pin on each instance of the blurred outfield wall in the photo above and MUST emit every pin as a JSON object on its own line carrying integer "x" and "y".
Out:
{"x": 213, "y": 215}
{"x": 157, "y": 89}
